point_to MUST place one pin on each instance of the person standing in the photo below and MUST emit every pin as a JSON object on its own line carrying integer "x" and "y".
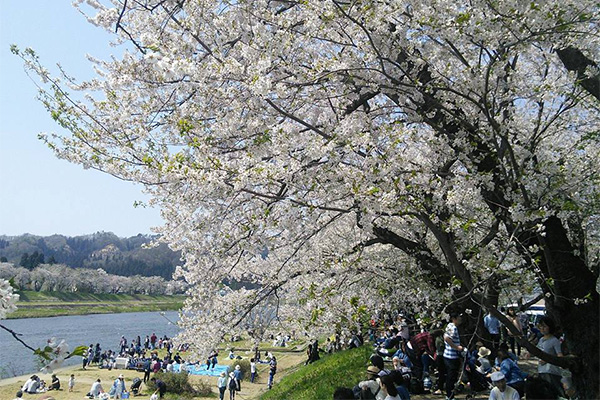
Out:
{"x": 71, "y": 382}
{"x": 548, "y": 343}
{"x": 252, "y": 370}
{"x": 147, "y": 369}
{"x": 492, "y": 325}
{"x": 222, "y": 385}
{"x": 238, "y": 377}
{"x": 452, "y": 353}
{"x": 512, "y": 339}
{"x": 214, "y": 359}
{"x": 153, "y": 341}
{"x": 123, "y": 345}
{"x": 272, "y": 371}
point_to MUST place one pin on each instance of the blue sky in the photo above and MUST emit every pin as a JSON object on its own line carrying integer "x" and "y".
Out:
{"x": 40, "y": 194}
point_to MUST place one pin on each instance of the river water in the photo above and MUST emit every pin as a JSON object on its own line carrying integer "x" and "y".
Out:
{"x": 77, "y": 330}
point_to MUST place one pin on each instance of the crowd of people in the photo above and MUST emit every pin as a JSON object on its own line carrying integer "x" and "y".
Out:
{"x": 441, "y": 362}
{"x": 406, "y": 360}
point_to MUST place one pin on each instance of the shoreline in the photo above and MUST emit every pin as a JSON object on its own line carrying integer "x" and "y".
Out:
{"x": 58, "y": 304}
{"x": 95, "y": 309}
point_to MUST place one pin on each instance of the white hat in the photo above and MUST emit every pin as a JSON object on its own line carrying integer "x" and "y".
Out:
{"x": 237, "y": 367}
{"x": 497, "y": 376}
{"x": 120, "y": 376}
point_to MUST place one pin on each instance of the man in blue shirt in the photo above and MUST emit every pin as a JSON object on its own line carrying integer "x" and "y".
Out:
{"x": 492, "y": 325}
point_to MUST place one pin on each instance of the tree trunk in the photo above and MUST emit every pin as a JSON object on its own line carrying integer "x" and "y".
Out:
{"x": 580, "y": 322}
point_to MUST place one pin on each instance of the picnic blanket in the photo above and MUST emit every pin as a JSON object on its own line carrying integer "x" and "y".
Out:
{"x": 200, "y": 369}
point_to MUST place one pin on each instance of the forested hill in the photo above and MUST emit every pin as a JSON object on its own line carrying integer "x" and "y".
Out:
{"x": 119, "y": 256}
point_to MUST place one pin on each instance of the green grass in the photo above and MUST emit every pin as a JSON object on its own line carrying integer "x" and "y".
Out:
{"x": 320, "y": 379}
{"x": 49, "y": 304}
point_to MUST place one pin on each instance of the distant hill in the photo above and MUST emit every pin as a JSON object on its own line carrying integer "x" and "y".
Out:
{"x": 115, "y": 255}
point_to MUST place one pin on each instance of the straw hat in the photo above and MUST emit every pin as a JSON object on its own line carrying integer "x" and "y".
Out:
{"x": 484, "y": 352}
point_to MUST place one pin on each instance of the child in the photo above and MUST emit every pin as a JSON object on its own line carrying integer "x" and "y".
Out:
{"x": 71, "y": 382}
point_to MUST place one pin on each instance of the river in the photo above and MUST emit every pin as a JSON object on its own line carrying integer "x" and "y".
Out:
{"x": 77, "y": 330}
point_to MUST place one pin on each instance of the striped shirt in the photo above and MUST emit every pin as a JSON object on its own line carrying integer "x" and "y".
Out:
{"x": 452, "y": 333}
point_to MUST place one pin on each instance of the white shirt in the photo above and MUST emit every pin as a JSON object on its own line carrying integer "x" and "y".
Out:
{"x": 96, "y": 389}
{"x": 25, "y": 387}
{"x": 508, "y": 394}
{"x": 374, "y": 387}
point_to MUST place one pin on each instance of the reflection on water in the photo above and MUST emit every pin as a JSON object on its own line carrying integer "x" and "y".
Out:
{"x": 77, "y": 330}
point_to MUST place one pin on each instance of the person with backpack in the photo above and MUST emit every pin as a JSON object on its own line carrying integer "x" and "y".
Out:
{"x": 232, "y": 386}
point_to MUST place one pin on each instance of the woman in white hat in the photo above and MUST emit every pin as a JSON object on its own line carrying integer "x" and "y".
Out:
{"x": 485, "y": 366}
{"x": 232, "y": 385}
{"x": 119, "y": 387}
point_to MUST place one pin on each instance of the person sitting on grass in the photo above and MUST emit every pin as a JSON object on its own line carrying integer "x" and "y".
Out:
{"x": 96, "y": 389}
{"x": 388, "y": 388}
{"x": 511, "y": 371}
{"x": 370, "y": 385}
{"x": 342, "y": 393}
{"x": 55, "y": 385}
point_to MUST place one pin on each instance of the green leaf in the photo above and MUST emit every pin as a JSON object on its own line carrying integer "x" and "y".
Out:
{"x": 78, "y": 351}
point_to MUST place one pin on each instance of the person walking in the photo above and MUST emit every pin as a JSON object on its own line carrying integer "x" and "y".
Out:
{"x": 452, "y": 353}
{"x": 237, "y": 373}
{"x": 272, "y": 371}
{"x": 232, "y": 385}
{"x": 222, "y": 385}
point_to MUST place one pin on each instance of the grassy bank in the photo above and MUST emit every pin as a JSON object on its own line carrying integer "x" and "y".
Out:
{"x": 51, "y": 304}
{"x": 320, "y": 379}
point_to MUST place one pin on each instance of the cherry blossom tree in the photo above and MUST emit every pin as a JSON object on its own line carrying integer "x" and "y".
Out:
{"x": 336, "y": 155}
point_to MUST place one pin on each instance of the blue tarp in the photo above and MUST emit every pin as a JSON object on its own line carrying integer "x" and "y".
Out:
{"x": 200, "y": 369}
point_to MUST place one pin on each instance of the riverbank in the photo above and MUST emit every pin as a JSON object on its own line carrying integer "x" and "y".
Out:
{"x": 287, "y": 361}
{"x": 52, "y": 304}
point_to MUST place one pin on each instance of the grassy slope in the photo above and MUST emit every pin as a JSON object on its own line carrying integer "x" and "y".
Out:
{"x": 320, "y": 379}
{"x": 45, "y": 304}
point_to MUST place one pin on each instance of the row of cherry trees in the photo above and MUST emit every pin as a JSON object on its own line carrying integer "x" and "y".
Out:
{"x": 60, "y": 278}
{"x": 406, "y": 153}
